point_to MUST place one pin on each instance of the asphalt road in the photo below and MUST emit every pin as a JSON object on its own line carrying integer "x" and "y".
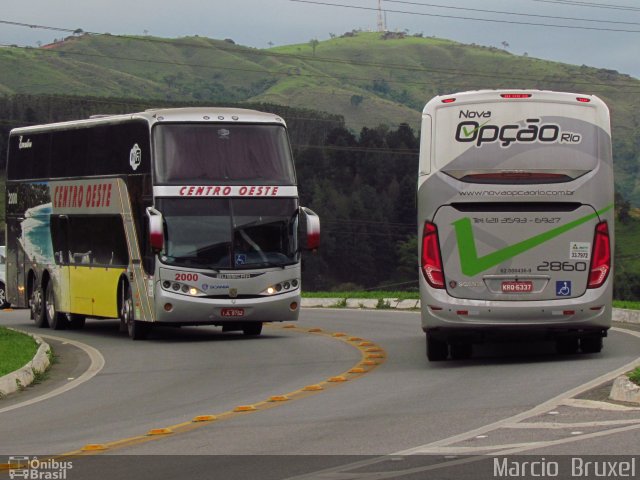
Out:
{"x": 402, "y": 405}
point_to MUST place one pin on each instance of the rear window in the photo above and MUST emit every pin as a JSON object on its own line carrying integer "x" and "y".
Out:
{"x": 530, "y": 143}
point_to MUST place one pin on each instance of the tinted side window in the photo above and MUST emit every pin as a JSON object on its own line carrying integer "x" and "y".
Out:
{"x": 29, "y": 156}
{"x": 90, "y": 240}
{"x": 101, "y": 149}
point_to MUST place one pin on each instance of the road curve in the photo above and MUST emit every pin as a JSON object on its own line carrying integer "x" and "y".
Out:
{"x": 178, "y": 374}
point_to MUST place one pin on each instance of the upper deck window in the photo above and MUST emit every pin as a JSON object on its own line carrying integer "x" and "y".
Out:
{"x": 222, "y": 153}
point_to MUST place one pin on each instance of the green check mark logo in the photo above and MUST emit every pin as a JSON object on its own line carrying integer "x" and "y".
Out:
{"x": 468, "y": 133}
{"x": 471, "y": 265}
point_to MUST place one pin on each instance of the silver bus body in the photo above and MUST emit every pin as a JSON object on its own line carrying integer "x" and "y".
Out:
{"x": 515, "y": 218}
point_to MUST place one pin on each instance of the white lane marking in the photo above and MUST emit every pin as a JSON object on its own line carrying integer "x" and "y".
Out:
{"x": 537, "y": 410}
{"x": 446, "y": 445}
{"x": 560, "y": 426}
{"x": 97, "y": 364}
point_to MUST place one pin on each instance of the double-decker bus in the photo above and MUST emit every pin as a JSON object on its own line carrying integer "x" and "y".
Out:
{"x": 515, "y": 217}
{"x": 185, "y": 216}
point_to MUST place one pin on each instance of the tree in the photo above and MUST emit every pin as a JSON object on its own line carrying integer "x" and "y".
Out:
{"x": 356, "y": 100}
{"x": 314, "y": 44}
{"x": 505, "y": 44}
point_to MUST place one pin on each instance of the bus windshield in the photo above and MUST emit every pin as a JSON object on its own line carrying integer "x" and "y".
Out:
{"x": 231, "y": 153}
{"x": 230, "y": 233}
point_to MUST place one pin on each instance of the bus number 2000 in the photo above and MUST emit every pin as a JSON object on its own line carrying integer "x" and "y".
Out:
{"x": 186, "y": 277}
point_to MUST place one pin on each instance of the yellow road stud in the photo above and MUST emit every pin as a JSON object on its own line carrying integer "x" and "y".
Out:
{"x": 93, "y": 447}
{"x": 279, "y": 398}
{"x": 245, "y": 408}
{"x": 312, "y": 388}
{"x": 204, "y": 418}
{"x": 160, "y": 431}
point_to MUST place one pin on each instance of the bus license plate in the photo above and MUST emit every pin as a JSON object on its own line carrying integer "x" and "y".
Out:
{"x": 232, "y": 312}
{"x": 517, "y": 287}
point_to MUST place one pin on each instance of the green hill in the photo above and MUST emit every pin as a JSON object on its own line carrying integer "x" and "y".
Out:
{"x": 368, "y": 78}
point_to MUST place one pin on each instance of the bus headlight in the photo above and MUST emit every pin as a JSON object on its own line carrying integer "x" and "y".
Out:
{"x": 177, "y": 287}
{"x": 282, "y": 287}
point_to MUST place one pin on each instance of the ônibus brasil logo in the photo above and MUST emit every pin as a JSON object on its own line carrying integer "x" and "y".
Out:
{"x": 532, "y": 131}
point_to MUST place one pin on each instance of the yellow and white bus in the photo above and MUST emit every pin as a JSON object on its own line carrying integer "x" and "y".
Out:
{"x": 183, "y": 216}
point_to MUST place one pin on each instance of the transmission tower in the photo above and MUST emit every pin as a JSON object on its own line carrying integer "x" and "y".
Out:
{"x": 381, "y": 25}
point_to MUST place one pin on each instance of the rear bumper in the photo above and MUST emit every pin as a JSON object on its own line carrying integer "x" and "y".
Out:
{"x": 443, "y": 315}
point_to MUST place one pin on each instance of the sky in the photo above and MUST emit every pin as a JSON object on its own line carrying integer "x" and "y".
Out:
{"x": 261, "y": 23}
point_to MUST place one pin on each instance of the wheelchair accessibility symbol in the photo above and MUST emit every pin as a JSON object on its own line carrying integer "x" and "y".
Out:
{"x": 563, "y": 289}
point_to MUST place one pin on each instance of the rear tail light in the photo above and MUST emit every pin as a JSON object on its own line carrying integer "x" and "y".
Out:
{"x": 431, "y": 258}
{"x": 601, "y": 256}
{"x": 512, "y": 96}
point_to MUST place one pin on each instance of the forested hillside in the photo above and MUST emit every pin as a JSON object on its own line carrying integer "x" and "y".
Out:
{"x": 370, "y": 79}
{"x": 362, "y": 186}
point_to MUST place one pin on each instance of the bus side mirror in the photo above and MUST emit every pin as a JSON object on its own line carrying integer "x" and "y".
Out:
{"x": 311, "y": 221}
{"x": 156, "y": 229}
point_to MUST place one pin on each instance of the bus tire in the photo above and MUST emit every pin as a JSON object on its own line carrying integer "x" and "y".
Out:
{"x": 252, "y": 329}
{"x": 461, "y": 350}
{"x": 437, "y": 350}
{"x": 567, "y": 345}
{"x": 591, "y": 344}
{"x": 36, "y": 304}
{"x": 3, "y": 296}
{"x": 76, "y": 322}
{"x": 136, "y": 329}
{"x": 55, "y": 319}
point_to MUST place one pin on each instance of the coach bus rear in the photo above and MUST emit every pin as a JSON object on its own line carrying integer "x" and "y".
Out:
{"x": 515, "y": 216}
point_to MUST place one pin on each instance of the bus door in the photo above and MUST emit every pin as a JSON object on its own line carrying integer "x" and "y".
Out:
{"x": 16, "y": 260}
{"x": 61, "y": 253}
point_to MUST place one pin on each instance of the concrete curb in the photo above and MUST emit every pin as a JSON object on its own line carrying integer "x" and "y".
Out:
{"x": 624, "y": 390}
{"x": 619, "y": 314}
{"x": 626, "y": 316}
{"x": 24, "y": 376}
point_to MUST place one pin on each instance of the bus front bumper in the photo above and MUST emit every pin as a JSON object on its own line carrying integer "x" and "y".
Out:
{"x": 185, "y": 310}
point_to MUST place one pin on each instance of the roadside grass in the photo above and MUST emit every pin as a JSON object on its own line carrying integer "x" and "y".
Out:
{"x": 16, "y": 350}
{"x": 634, "y": 375}
{"x": 626, "y": 304}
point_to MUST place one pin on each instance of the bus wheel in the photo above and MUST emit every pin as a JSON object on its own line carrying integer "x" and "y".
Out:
{"x": 36, "y": 304}
{"x": 55, "y": 319}
{"x": 254, "y": 329}
{"x": 3, "y": 296}
{"x": 76, "y": 322}
{"x": 437, "y": 350}
{"x": 137, "y": 330}
{"x": 567, "y": 345}
{"x": 591, "y": 344}
{"x": 461, "y": 350}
